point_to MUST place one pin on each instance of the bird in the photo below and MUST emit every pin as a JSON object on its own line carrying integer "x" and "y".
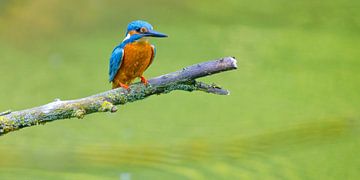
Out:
{"x": 133, "y": 55}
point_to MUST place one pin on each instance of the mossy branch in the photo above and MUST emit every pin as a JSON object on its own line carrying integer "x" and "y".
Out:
{"x": 184, "y": 79}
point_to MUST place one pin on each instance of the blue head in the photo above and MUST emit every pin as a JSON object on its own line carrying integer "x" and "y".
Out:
{"x": 139, "y": 29}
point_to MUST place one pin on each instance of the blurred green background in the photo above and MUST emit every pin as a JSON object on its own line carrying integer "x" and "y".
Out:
{"x": 293, "y": 112}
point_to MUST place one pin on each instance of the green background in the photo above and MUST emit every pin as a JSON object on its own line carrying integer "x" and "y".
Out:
{"x": 293, "y": 112}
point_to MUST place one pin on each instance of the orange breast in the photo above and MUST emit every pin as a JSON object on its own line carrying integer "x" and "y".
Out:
{"x": 137, "y": 58}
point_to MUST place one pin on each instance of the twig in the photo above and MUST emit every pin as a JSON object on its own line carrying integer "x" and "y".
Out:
{"x": 5, "y": 112}
{"x": 107, "y": 101}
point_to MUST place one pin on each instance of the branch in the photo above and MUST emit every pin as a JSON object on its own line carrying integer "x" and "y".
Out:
{"x": 107, "y": 101}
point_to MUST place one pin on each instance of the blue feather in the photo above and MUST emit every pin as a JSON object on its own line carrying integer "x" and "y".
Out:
{"x": 115, "y": 61}
{"x": 138, "y": 24}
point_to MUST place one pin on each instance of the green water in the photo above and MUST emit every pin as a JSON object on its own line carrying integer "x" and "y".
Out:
{"x": 293, "y": 112}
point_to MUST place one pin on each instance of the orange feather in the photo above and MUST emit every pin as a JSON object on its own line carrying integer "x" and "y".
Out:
{"x": 137, "y": 58}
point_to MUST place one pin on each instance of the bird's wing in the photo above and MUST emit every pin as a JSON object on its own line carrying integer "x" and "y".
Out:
{"x": 153, "y": 55}
{"x": 115, "y": 62}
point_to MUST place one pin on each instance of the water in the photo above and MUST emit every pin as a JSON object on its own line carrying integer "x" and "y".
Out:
{"x": 292, "y": 112}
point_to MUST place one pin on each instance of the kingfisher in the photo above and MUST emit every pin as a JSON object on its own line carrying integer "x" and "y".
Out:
{"x": 133, "y": 55}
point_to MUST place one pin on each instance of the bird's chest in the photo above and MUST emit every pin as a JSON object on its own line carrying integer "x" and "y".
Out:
{"x": 137, "y": 57}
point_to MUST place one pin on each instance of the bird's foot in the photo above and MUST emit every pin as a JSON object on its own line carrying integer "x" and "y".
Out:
{"x": 144, "y": 80}
{"x": 124, "y": 86}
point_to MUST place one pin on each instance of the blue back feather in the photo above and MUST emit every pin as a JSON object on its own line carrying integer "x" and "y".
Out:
{"x": 115, "y": 62}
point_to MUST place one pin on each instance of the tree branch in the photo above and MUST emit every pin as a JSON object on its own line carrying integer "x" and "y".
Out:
{"x": 107, "y": 101}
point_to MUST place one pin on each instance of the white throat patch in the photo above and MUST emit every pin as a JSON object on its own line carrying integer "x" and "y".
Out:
{"x": 127, "y": 37}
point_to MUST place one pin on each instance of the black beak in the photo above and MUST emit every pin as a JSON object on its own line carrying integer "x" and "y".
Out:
{"x": 153, "y": 33}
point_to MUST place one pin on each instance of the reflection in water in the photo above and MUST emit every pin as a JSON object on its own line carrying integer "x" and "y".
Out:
{"x": 239, "y": 157}
{"x": 287, "y": 138}
{"x": 125, "y": 176}
{"x": 226, "y": 158}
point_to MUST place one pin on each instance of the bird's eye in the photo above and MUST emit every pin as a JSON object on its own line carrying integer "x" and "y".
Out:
{"x": 143, "y": 29}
